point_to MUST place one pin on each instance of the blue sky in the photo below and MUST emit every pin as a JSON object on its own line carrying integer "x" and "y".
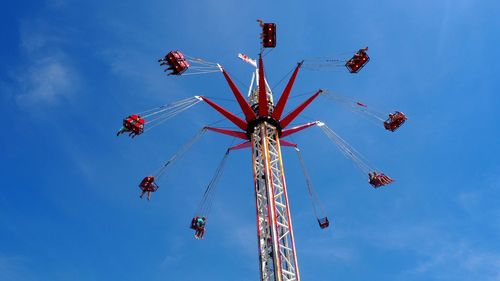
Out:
{"x": 71, "y": 70}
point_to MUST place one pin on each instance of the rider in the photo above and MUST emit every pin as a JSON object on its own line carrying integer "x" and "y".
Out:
{"x": 199, "y": 227}
{"x": 128, "y": 125}
{"x": 200, "y": 222}
{"x": 147, "y": 185}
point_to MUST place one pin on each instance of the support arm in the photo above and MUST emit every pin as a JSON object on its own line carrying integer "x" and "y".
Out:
{"x": 229, "y": 115}
{"x": 246, "y": 144}
{"x": 287, "y": 143}
{"x": 280, "y": 106}
{"x": 296, "y": 129}
{"x": 292, "y": 115}
{"x": 263, "y": 106}
{"x": 232, "y": 133}
{"x": 245, "y": 107}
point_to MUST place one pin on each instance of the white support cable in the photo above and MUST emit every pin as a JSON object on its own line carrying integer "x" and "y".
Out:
{"x": 155, "y": 110}
{"x": 320, "y": 66}
{"x": 207, "y": 201}
{"x": 172, "y": 111}
{"x": 343, "y": 54}
{"x": 202, "y": 72}
{"x": 166, "y": 107}
{"x": 199, "y": 61}
{"x": 202, "y": 67}
{"x": 316, "y": 63}
{"x": 346, "y": 149}
{"x": 180, "y": 152}
{"x": 356, "y": 106}
{"x": 165, "y": 115}
{"x": 316, "y": 203}
{"x": 324, "y": 64}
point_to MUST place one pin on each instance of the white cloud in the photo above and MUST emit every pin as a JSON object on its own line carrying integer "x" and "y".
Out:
{"x": 14, "y": 268}
{"x": 46, "y": 76}
{"x": 335, "y": 250}
{"x": 48, "y": 81}
{"x": 174, "y": 252}
{"x": 453, "y": 260}
{"x": 438, "y": 251}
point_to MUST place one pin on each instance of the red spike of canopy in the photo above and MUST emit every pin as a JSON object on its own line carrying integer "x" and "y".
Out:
{"x": 229, "y": 115}
{"x": 241, "y": 146}
{"x": 263, "y": 106}
{"x": 292, "y": 115}
{"x": 245, "y": 107}
{"x": 232, "y": 133}
{"x": 287, "y": 143}
{"x": 296, "y": 129}
{"x": 280, "y": 106}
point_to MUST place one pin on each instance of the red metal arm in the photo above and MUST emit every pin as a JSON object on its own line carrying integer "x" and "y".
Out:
{"x": 280, "y": 106}
{"x": 263, "y": 108}
{"x": 230, "y": 116}
{"x": 287, "y": 143}
{"x": 241, "y": 146}
{"x": 245, "y": 107}
{"x": 240, "y": 135}
{"x": 297, "y": 129}
{"x": 292, "y": 115}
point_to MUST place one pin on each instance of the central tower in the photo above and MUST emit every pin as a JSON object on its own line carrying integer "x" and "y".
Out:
{"x": 277, "y": 254}
{"x": 262, "y": 130}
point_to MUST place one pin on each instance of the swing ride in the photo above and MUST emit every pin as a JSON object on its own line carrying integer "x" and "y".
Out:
{"x": 263, "y": 128}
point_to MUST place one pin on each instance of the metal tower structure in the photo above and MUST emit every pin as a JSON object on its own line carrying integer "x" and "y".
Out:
{"x": 263, "y": 129}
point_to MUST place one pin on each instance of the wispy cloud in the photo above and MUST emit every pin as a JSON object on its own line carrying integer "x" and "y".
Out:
{"x": 174, "y": 253}
{"x": 334, "y": 252}
{"x": 46, "y": 76}
{"x": 438, "y": 251}
{"x": 13, "y": 268}
{"x": 453, "y": 261}
{"x": 48, "y": 80}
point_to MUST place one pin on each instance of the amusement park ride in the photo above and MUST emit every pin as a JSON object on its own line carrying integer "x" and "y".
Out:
{"x": 263, "y": 128}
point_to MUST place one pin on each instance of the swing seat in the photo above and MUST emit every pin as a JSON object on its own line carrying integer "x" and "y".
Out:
{"x": 395, "y": 121}
{"x": 323, "y": 222}
{"x": 358, "y": 61}
{"x": 269, "y": 35}
{"x": 134, "y": 123}
{"x": 148, "y": 184}
{"x": 176, "y": 62}
{"x": 378, "y": 179}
